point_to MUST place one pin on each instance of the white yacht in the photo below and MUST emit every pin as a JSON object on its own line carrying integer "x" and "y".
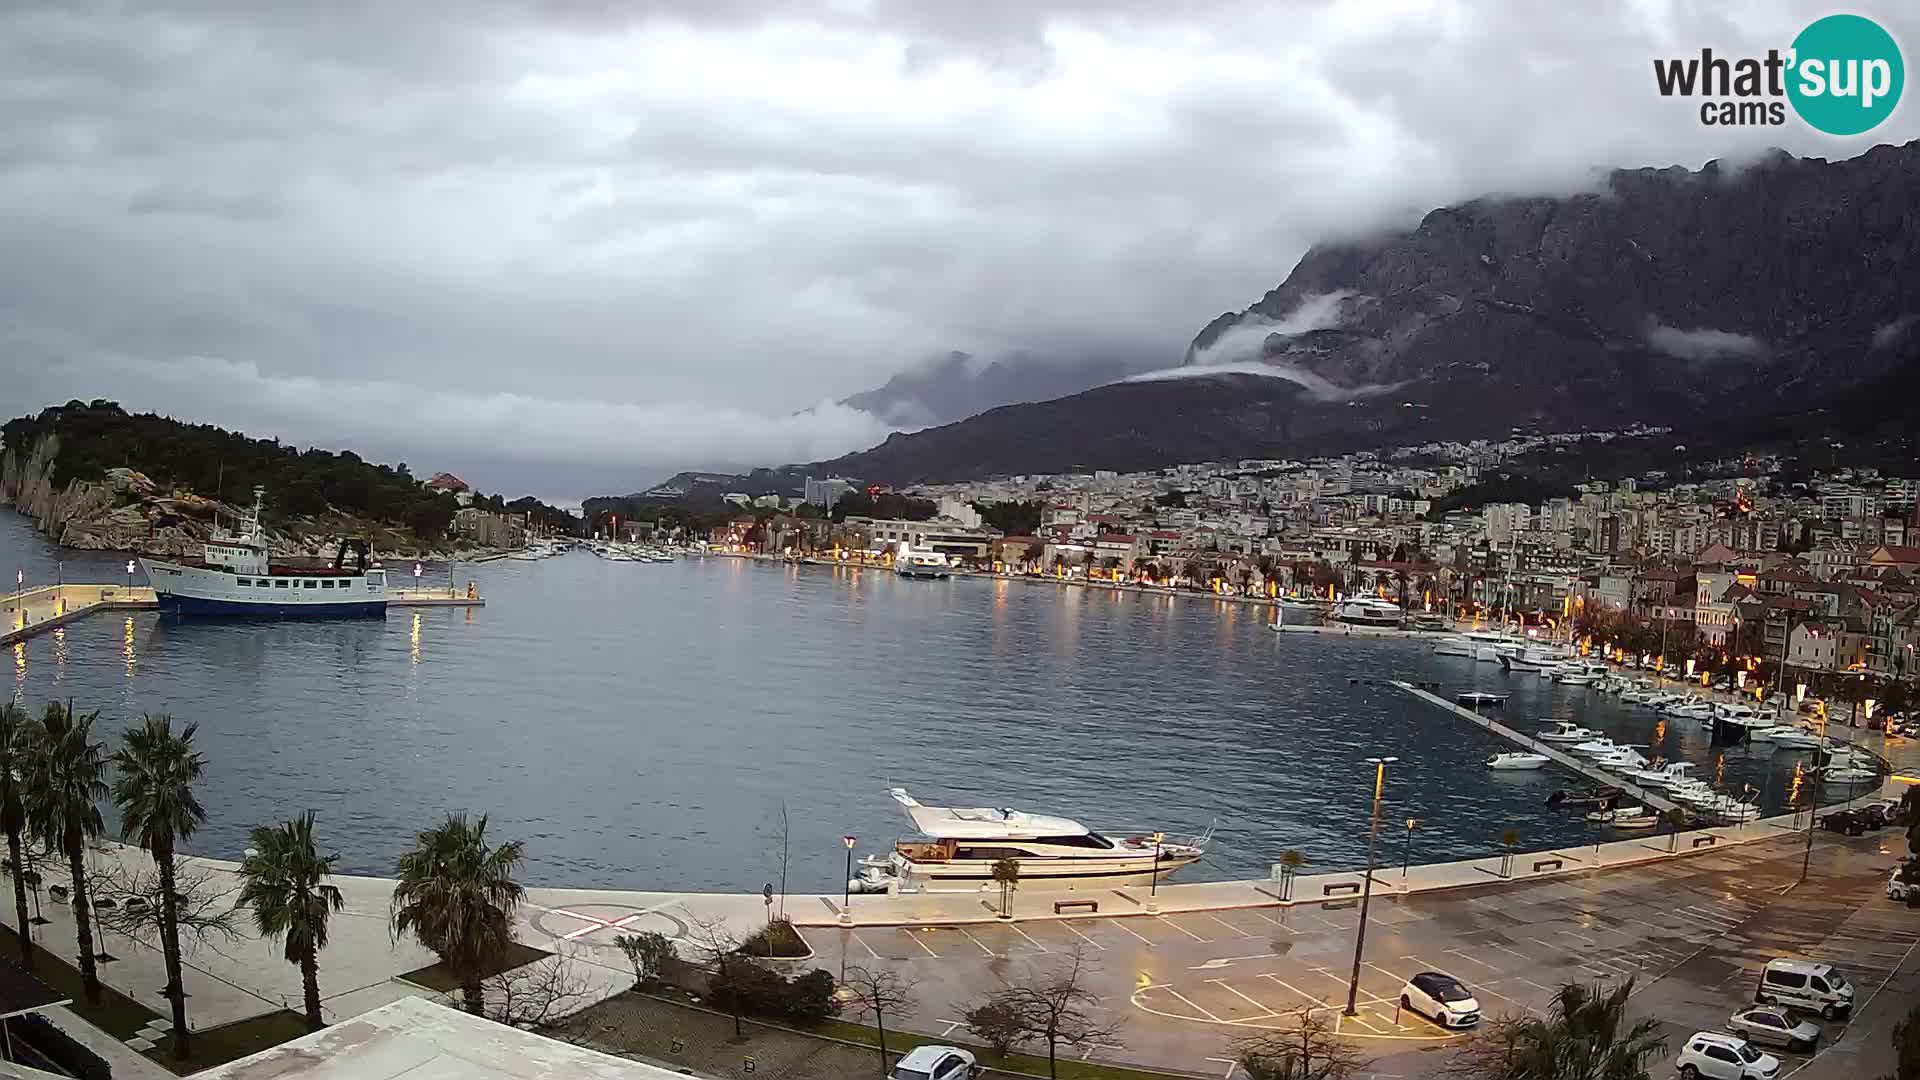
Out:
{"x": 1515, "y": 760}
{"x": 956, "y": 850}
{"x": 1672, "y": 774}
{"x": 915, "y": 562}
{"x": 238, "y": 579}
{"x": 1566, "y": 731}
{"x": 1850, "y": 773}
{"x": 1621, "y": 760}
{"x": 1534, "y": 658}
{"x": 1369, "y": 611}
{"x": 1596, "y": 747}
{"x": 1785, "y": 737}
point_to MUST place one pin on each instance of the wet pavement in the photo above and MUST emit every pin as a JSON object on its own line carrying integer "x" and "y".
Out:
{"x": 1694, "y": 933}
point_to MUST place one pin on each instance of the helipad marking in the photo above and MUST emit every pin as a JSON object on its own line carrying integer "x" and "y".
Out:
{"x": 598, "y": 924}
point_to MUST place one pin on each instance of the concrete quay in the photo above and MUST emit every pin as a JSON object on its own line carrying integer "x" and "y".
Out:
{"x": 32, "y": 612}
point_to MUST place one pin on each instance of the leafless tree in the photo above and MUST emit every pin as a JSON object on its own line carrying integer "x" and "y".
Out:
{"x": 538, "y": 997}
{"x": 1052, "y": 1007}
{"x": 783, "y": 839}
{"x": 878, "y": 993}
{"x": 719, "y": 949}
{"x": 1308, "y": 1048}
{"x": 126, "y": 900}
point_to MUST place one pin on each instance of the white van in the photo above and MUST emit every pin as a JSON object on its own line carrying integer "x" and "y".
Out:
{"x": 1799, "y": 984}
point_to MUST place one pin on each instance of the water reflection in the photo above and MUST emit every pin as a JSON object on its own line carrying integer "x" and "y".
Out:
{"x": 127, "y": 649}
{"x": 413, "y": 639}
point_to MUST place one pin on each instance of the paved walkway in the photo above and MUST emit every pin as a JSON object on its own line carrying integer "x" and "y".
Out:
{"x": 36, "y": 611}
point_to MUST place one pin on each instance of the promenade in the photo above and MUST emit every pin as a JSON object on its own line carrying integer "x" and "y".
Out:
{"x": 36, "y": 611}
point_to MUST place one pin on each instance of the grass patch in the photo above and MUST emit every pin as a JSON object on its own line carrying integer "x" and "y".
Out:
{"x": 122, "y": 1017}
{"x": 230, "y": 1042}
{"x": 117, "y": 1014}
{"x": 439, "y": 977}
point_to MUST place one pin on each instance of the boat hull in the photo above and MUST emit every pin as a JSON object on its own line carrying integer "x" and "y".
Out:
{"x": 203, "y": 608}
{"x": 198, "y": 592}
{"x": 973, "y": 874}
{"x": 923, "y": 573}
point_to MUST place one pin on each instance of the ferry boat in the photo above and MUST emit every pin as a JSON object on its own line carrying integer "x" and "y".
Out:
{"x": 1369, "y": 611}
{"x": 958, "y": 848}
{"x": 914, "y": 562}
{"x": 238, "y": 579}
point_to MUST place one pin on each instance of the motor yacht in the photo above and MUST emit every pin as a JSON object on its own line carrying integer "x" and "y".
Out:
{"x": 1566, "y": 731}
{"x": 1534, "y": 658}
{"x": 1516, "y": 760}
{"x": 1672, "y": 774}
{"x": 1693, "y": 793}
{"x": 1596, "y": 747}
{"x": 913, "y": 562}
{"x": 1850, "y": 774}
{"x": 957, "y": 848}
{"x": 1474, "y": 699}
{"x": 1729, "y": 809}
{"x": 1784, "y": 737}
{"x": 1621, "y": 760}
{"x": 1453, "y": 645}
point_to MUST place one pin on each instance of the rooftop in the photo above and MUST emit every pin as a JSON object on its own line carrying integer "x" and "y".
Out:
{"x": 418, "y": 1040}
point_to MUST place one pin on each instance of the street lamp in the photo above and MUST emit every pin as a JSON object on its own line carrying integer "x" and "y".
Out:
{"x": 1153, "y": 885}
{"x": 1366, "y": 889}
{"x": 846, "y": 890}
{"x": 1813, "y": 798}
{"x": 1406, "y": 852}
{"x": 129, "y": 575}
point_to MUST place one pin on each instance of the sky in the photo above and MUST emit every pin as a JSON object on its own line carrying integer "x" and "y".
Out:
{"x": 570, "y": 247}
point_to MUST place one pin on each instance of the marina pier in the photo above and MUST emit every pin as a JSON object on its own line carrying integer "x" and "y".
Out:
{"x": 32, "y": 612}
{"x": 1533, "y": 745}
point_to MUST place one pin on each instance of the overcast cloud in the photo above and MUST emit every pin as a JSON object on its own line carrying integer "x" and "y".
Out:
{"x": 641, "y": 236}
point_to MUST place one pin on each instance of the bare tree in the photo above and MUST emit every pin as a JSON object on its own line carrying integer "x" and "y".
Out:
{"x": 719, "y": 949}
{"x": 1308, "y": 1048}
{"x": 1055, "y": 1009}
{"x": 538, "y": 997}
{"x": 127, "y": 901}
{"x": 878, "y": 994}
{"x": 783, "y": 839}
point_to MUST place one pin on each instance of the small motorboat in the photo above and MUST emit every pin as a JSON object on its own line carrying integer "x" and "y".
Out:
{"x": 1625, "y": 817}
{"x": 1516, "y": 760}
{"x": 1474, "y": 699}
{"x": 1623, "y": 759}
{"x": 1566, "y": 731}
{"x": 1637, "y": 821}
{"x": 1787, "y": 738}
{"x": 1603, "y": 796}
{"x": 1849, "y": 774}
{"x": 1596, "y": 747}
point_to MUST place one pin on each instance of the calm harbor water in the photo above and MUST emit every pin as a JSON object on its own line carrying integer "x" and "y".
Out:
{"x": 641, "y": 725}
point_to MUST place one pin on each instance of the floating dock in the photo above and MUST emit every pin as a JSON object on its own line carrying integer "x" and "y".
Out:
{"x": 1527, "y": 742}
{"x": 32, "y": 612}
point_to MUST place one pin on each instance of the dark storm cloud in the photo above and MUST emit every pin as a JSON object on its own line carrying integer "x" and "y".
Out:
{"x": 668, "y": 234}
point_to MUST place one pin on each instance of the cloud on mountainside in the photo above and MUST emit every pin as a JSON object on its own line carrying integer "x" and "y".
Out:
{"x": 1704, "y": 344}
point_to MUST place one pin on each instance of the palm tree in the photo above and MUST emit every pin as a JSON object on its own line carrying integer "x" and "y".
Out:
{"x": 154, "y": 791}
{"x": 61, "y": 792}
{"x": 284, "y": 882}
{"x": 1587, "y": 1034}
{"x": 457, "y": 895}
{"x": 13, "y": 817}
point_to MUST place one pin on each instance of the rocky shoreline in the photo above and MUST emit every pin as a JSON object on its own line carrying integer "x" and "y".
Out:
{"x": 127, "y": 511}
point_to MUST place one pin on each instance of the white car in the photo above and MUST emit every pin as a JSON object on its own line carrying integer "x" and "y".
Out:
{"x": 1719, "y": 1056}
{"x": 935, "y": 1063}
{"x": 1897, "y": 889}
{"x": 1440, "y": 998}
{"x": 1774, "y": 1027}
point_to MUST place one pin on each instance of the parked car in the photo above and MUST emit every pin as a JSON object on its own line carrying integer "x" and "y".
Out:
{"x": 1719, "y": 1056}
{"x": 1900, "y": 890}
{"x": 1850, "y": 822}
{"x": 1882, "y": 811}
{"x": 1440, "y": 998}
{"x": 1774, "y": 1027}
{"x": 1805, "y": 985}
{"x": 935, "y": 1063}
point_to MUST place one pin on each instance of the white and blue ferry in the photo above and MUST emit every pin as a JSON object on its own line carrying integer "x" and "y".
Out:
{"x": 238, "y": 579}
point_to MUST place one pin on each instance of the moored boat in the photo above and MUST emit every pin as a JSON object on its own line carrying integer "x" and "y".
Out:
{"x": 1517, "y": 760}
{"x": 238, "y": 579}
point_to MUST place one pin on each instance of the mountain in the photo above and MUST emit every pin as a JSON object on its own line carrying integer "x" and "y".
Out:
{"x": 958, "y": 385}
{"x": 1666, "y": 295}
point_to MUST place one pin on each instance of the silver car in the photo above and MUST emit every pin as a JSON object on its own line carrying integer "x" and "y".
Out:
{"x": 1774, "y": 1027}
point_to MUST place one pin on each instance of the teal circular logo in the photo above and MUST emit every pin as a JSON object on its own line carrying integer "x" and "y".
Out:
{"x": 1847, "y": 74}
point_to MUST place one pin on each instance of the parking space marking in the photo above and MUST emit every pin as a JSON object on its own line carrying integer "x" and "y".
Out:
{"x": 1229, "y": 926}
{"x": 1277, "y": 922}
{"x": 864, "y": 945}
{"x": 1572, "y": 934}
{"x": 1122, "y": 925}
{"x": 916, "y": 940}
{"x": 976, "y": 941}
{"x": 1461, "y": 955}
{"x": 1535, "y": 985}
{"x": 1319, "y": 1003}
{"x": 1183, "y": 930}
{"x": 1030, "y": 938}
{"x": 1083, "y": 937}
{"x": 1483, "y": 987}
{"x": 1266, "y": 1011}
{"x": 1191, "y": 1005}
{"x": 1511, "y": 952}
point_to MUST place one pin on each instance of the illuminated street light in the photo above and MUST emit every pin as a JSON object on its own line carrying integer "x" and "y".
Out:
{"x": 1366, "y": 889}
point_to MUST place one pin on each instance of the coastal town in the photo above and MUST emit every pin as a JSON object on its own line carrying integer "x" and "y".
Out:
{"x": 1730, "y": 562}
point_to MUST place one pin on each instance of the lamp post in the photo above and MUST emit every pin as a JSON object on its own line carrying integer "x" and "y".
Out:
{"x": 846, "y": 890}
{"x": 129, "y": 575}
{"x": 1406, "y": 851}
{"x": 1813, "y": 800}
{"x": 1366, "y": 889}
{"x": 1153, "y": 885}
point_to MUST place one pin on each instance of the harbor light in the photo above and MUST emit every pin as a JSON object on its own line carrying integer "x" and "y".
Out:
{"x": 1366, "y": 888}
{"x": 846, "y": 891}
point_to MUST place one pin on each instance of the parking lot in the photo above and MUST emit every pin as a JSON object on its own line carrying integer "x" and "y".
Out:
{"x": 1694, "y": 933}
